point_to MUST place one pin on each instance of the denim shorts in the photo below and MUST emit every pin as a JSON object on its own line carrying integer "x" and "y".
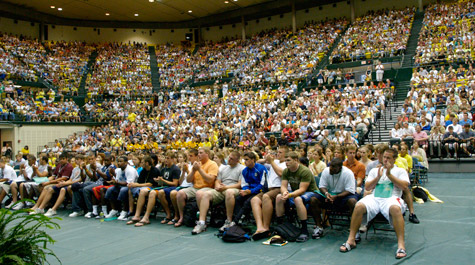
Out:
{"x": 305, "y": 198}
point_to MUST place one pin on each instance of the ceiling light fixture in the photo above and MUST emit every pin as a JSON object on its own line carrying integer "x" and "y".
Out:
{"x": 53, "y": 7}
{"x": 136, "y": 15}
{"x": 60, "y": 9}
{"x": 107, "y": 14}
{"x": 226, "y": 2}
{"x": 151, "y": 1}
{"x": 190, "y": 11}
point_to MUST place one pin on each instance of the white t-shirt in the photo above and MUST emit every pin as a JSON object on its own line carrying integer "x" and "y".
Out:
{"x": 274, "y": 181}
{"x": 9, "y": 173}
{"x": 76, "y": 174}
{"x": 336, "y": 184}
{"x": 130, "y": 175}
{"x": 385, "y": 188}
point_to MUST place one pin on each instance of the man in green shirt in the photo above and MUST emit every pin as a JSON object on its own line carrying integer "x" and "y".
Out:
{"x": 302, "y": 184}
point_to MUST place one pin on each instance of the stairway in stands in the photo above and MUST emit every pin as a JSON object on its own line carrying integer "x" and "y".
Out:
{"x": 413, "y": 39}
{"x": 326, "y": 59}
{"x": 382, "y": 132}
{"x": 154, "y": 69}
{"x": 89, "y": 69}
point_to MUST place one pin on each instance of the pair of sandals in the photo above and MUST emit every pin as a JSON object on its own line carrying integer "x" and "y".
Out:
{"x": 173, "y": 222}
{"x": 346, "y": 247}
{"x": 138, "y": 223}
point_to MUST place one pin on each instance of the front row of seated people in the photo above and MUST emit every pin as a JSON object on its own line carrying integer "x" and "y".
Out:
{"x": 278, "y": 182}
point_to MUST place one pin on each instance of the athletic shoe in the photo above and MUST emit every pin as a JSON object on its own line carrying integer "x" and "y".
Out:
{"x": 199, "y": 228}
{"x": 90, "y": 215}
{"x": 413, "y": 218}
{"x": 18, "y": 206}
{"x": 227, "y": 224}
{"x": 363, "y": 229}
{"x": 74, "y": 214}
{"x": 123, "y": 216}
{"x": 50, "y": 213}
{"x": 29, "y": 204}
{"x": 302, "y": 238}
{"x": 357, "y": 237}
{"x": 317, "y": 233}
{"x": 10, "y": 205}
{"x": 112, "y": 213}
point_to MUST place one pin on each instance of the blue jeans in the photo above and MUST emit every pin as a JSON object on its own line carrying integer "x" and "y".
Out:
{"x": 88, "y": 193}
{"x": 78, "y": 197}
{"x": 118, "y": 193}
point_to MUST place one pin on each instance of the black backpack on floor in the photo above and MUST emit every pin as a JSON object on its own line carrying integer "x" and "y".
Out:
{"x": 287, "y": 231}
{"x": 235, "y": 234}
{"x": 217, "y": 215}
{"x": 189, "y": 213}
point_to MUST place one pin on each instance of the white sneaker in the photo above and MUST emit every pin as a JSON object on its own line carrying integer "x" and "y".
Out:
{"x": 123, "y": 216}
{"x": 29, "y": 204}
{"x": 74, "y": 214}
{"x": 18, "y": 206}
{"x": 317, "y": 233}
{"x": 199, "y": 228}
{"x": 112, "y": 213}
{"x": 10, "y": 205}
{"x": 227, "y": 224}
{"x": 50, "y": 213}
{"x": 90, "y": 215}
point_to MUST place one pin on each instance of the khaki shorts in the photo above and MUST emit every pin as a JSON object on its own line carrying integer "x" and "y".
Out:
{"x": 218, "y": 197}
{"x": 5, "y": 187}
{"x": 272, "y": 193}
{"x": 32, "y": 187}
{"x": 191, "y": 191}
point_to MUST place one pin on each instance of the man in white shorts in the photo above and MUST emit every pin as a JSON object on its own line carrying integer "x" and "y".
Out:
{"x": 386, "y": 183}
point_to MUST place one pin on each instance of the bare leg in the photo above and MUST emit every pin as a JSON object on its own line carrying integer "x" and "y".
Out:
{"x": 14, "y": 190}
{"x": 279, "y": 206}
{"x": 140, "y": 203}
{"x": 2, "y": 195}
{"x": 256, "y": 205}
{"x": 59, "y": 201}
{"x": 356, "y": 218}
{"x": 163, "y": 201}
{"x": 173, "y": 195}
{"x": 301, "y": 209}
{"x": 48, "y": 194}
{"x": 230, "y": 201}
{"x": 398, "y": 223}
{"x": 152, "y": 197}
{"x": 267, "y": 210}
{"x": 206, "y": 199}
{"x": 316, "y": 210}
{"x": 131, "y": 201}
{"x": 181, "y": 201}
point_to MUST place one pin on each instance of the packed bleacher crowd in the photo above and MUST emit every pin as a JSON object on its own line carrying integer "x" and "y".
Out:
{"x": 65, "y": 64}
{"x": 36, "y": 105}
{"x": 22, "y": 57}
{"x": 379, "y": 34}
{"x": 121, "y": 70}
{"x": 61, "y": 64}
{"x": 175, "y": 65}
{"x": 447, "y": 34}
{"x": 438, "y": 111}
